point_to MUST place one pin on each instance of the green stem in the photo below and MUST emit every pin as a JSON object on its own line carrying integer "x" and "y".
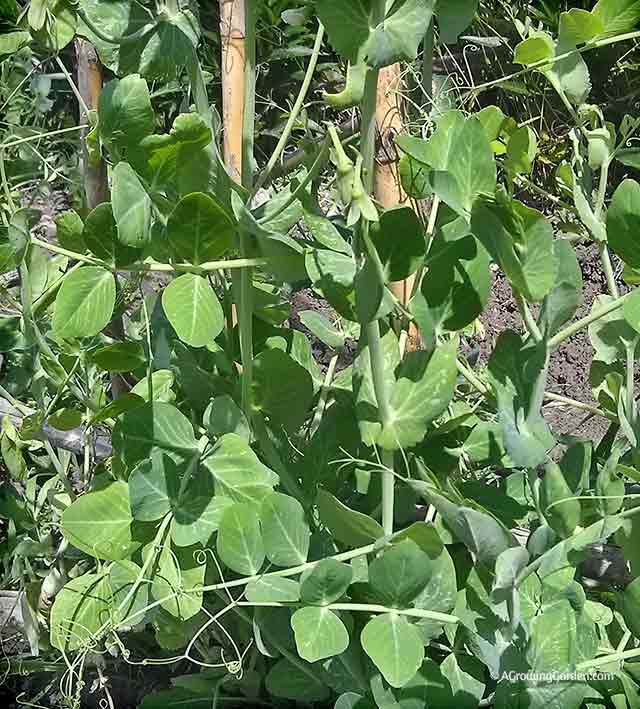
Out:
{"x": 606, "y": 659}
{"x": 244, "y": 302}
{"x": 628, "y": 36}
{"x": 594, "y": 316}
{"x": 324, "y": 395}
{"x": 295, "y": 111}
{"x": 607, "y": 267}
{"x": 528, "y": 319}
{"x": 364, "y": 608}
{"x": 372, "y": 330}
{"x": 154, "y": 266}
{"x": 48, "y": 134}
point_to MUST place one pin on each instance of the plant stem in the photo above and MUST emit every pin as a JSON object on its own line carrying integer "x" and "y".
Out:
{"x": 324, "y": 395}
{"x": 365, "y": 608}
{"x": 606, "y": 659}
{"x": 528, "y": 319}
{"x": 372, "y": 329}
{"x": 48, "y": 134}
{"x": 628, "y": 36}
{"x": 607, "y": 267}
{"x": 578, "y": 325}
{"x": 295, "y": 111}
{"x": 154, "y": 266}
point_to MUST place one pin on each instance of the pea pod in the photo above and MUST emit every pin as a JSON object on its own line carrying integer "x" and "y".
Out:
{"x": 563, "y": 517}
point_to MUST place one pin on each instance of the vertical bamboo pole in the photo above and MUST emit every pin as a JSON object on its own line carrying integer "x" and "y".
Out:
{"x": 96, "y": 185}
{"x": 232, "y": 34}
{"x": 90, "y": 85}
{"x": 387, "y": 186}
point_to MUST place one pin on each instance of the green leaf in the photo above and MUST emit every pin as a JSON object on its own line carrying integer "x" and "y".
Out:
{"x": 395, "y": 647}
{"x": 69, "y": 229}
{"x": 125, "y": 112}
{"x": 399, "y": 36}
{"x": 553, "y": 642}
{"x": 469, "y": 169}
{"x": 173, "y": 572}
{"x": 400, "y": 574}
{"x": 99, "y": 522}
{"x": 13, "y": 42}
{"x": 455, "y": 288}
{"x": 423, "y": 389}
{"x": 198, "y": 513}
{"x": 65, "y": 419}
{"x": 85, "y": 302}
{"x": 535, "y": 48}
{"x": 399, "y": 240}
{"x": 120, "y": 357}
{"x": 521, "y": 151}
{"x": 631, "y": 309}
{"x": 347, "y": 526}
{"x": 617, "y": 16}
{"x": 165, "y": 48}
{"x": 631, "y": 606}
{"x": 223, "y": 415}
{"x": 578, "y": 26}
{"x": 333, "y": 276}
{"x": 347, "y": 25}
{"x": 518, "y": 375}
{"x": 273, "y": 589}
{"x": 131, "y": 207}
{"x": 240, "y": 543}
{"x": 282, "y": 389}
{"x": 322, "y": 329}
{"x": 193, "y": 309}
{"x": 623, "y": 222}
{"x": 162, "y": 382}
{"x": 155, "y": 426}
{"x": 479, "y": 531}
{"x": 520, "y": 239}
{"x": 284, "y": 530}
{"x": 100, "y": 234}
{"x": 21, "y": 223}
{"x": 117, "y": 407}
{"x": 325, "y": 583}
{"x": 154, "y": 485}
{"x": 237, "y": 471}
{"x": 454, "y": 17}
{"x": 319, "y": 633}
{"x": 86, "y": 603}
{"x": 325, "y": 232}
{"x": 199, "y": 229}
{"x": 561, "y": 303}
{"x": 294, "y": 681}
{"x": 611, "y": 334}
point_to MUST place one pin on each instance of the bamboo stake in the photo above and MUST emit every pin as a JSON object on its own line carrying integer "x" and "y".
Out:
{"x": 387, "y": 186}
{"x": 232, "y": 34}
{"x": 89, "y": 86}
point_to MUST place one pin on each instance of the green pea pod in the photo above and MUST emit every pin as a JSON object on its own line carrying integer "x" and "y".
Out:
{"x": 563, "y": 517}
{"x": 353, "y": 91}
{"x": 631, "y": 606}
{"x": 345, "y": 169}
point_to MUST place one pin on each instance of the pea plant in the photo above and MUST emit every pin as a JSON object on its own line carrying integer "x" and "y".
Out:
{"x": 185, "y": 486}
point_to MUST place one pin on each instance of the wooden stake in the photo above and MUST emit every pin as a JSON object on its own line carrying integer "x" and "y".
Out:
{"x": 387, "y": 185}
{"x": 90, "y": 85}
{"x": 232, "y": 34}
